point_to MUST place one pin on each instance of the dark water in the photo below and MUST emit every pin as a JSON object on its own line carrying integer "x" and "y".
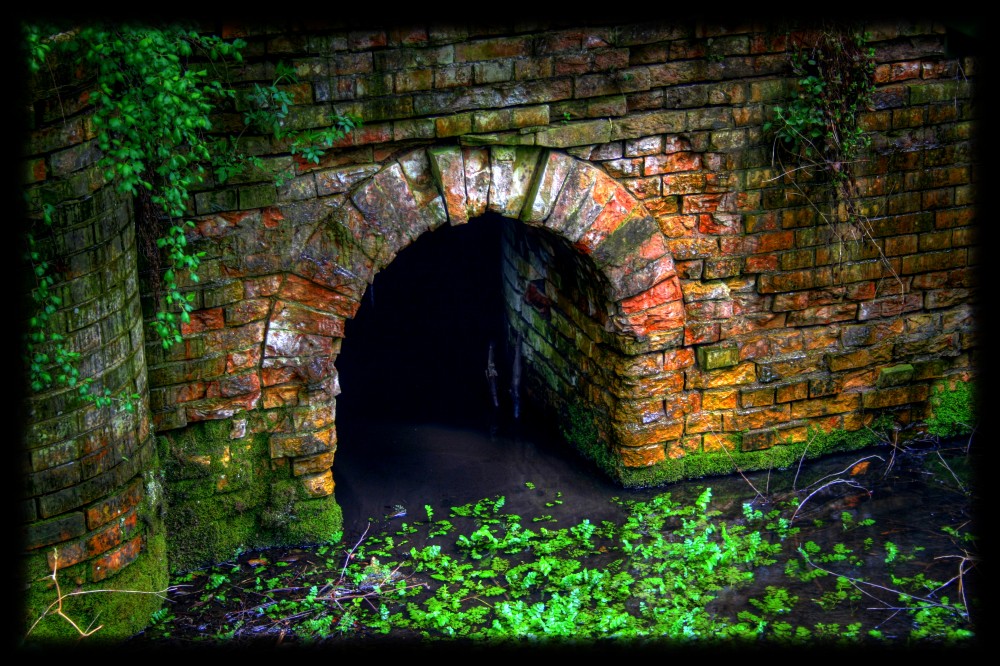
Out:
{"x": 413, "y": 463}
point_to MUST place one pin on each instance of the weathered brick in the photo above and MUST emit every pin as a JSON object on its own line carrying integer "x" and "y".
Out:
{"x": 756, "y": 440}
{"x": 811, "y": 408}
{"x": 115, "y": 561}
{"x": 860, "y": 358}
{"x": 56, "y": 530}
{"x": 790, "y": 392}
{"x": 703, "y": 422}
{"x": 642, "y": 456}
{"x": 318, "y": 485}
{"x": 303, "y": 444}
{"x": 892, "y": 397}
{"x": 316, "y": 464}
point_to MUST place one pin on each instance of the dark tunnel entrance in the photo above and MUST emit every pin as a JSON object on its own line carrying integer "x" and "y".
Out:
{"x": 416, "y": 423}
{"x": 418, "y": 347}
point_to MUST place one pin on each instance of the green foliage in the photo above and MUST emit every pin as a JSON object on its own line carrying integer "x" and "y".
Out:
{"x": 50, "y": 361}
{"x": 153, "y": 94}
{"x": 267, "y": 109}
{"x": 835, "y": 83}
{"x": 953, "y": 409}
{"x": 151, "y": 101}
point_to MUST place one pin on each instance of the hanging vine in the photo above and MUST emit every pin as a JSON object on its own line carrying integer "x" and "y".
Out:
{"x": 154, "y": 91}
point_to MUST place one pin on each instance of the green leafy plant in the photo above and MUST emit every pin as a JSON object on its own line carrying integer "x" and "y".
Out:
{"x": 655, "y": 575}
{"x": 835, "y": 82}
{"x": 153, "y": 94}
{"x": 819, "y": 132}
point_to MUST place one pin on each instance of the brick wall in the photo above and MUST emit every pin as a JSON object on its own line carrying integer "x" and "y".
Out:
{"x": 662, "y": 273}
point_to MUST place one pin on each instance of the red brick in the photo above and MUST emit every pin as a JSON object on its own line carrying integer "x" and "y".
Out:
{"x": 678, "y": 359}
{"x": 670, "y": 163}
{"x": 702, "y": 422}
{"x": 719, "y": 224}
{"x": 316, "y": 296}
{"x": 790, "y": 392}
{"x": 642, "y": 456}
{"x": 281, "y": 396}
{"x": 111, "y": 536}
{"x": 203, "y": 320}
{"x": 683, "y": 183}
{"x": 664, "y": 292}
{"x": 761, "y": 263}
{"x": 893, "y": 397}
{"x": 237, "y": 337}
{"x": 273, "y": 376}
{"x": 116, "y": 560}
{"x": 699, "y": 333}
{"x": 659, "y": 318}
{"x": 824, "y": 406}
{"x": 243, "y": 360}
{"x": 221, "y": 408}
{"x": 681, "y": 403}
{"x": 112, "y": 507}
{"x": 616, "y": 211}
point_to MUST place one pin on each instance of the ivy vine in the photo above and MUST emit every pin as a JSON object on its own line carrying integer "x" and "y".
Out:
{"x": 153, "y": 95}
{"x": 819, "y": 128}
{"x": 835, "y": 83}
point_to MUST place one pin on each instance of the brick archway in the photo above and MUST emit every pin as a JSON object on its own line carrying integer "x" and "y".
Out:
{"x": 570, "y": 199}
{"x": 602, "y": 324}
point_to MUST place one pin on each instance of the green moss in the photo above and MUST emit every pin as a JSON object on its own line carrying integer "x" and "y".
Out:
{"x": 224, "y": 498}
{"x": 112, "y": 603}
{"x": 953, "y": 409}
{"x": 580, "y": 428}
{"x": 319, "y": 520}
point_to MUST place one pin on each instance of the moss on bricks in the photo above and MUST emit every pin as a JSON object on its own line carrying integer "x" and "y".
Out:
{"x": 223, "y": 498}
{"x": 121, "y": 605}
{"x": 579, "y": 428}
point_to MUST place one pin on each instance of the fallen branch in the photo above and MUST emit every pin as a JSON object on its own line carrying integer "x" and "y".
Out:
{"x": 56, "y": 607}
{"x": 853, "y": 484}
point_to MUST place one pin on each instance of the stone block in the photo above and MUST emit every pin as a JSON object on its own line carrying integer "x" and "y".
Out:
{"x": 896, "y": 396}
{"x": 318, "y": 485}
{"x": 454, "y": 125}
{"x": 717, "y": 357}
{"x": 757, "y": 397}
{"x": 302, "y": 444}
{"x": 216, "y": 201}
{"x": 757, "y": 440}
{"x": 312, "y": 464}
{"x": 116, "y": 560}
{"x": 896, "y": 375}
{"x": 581, "y": 133}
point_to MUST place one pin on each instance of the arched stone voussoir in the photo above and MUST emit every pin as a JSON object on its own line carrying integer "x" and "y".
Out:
{"x": 339, "y": 257}
{"x": 398, "y": 206}
{"x": 463, "y": 175}
{"x": 553, "y": 168}
{"x": 645, "y": 266}
{"x": 512, "y": 173}
{"x": 569, "y": 197}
